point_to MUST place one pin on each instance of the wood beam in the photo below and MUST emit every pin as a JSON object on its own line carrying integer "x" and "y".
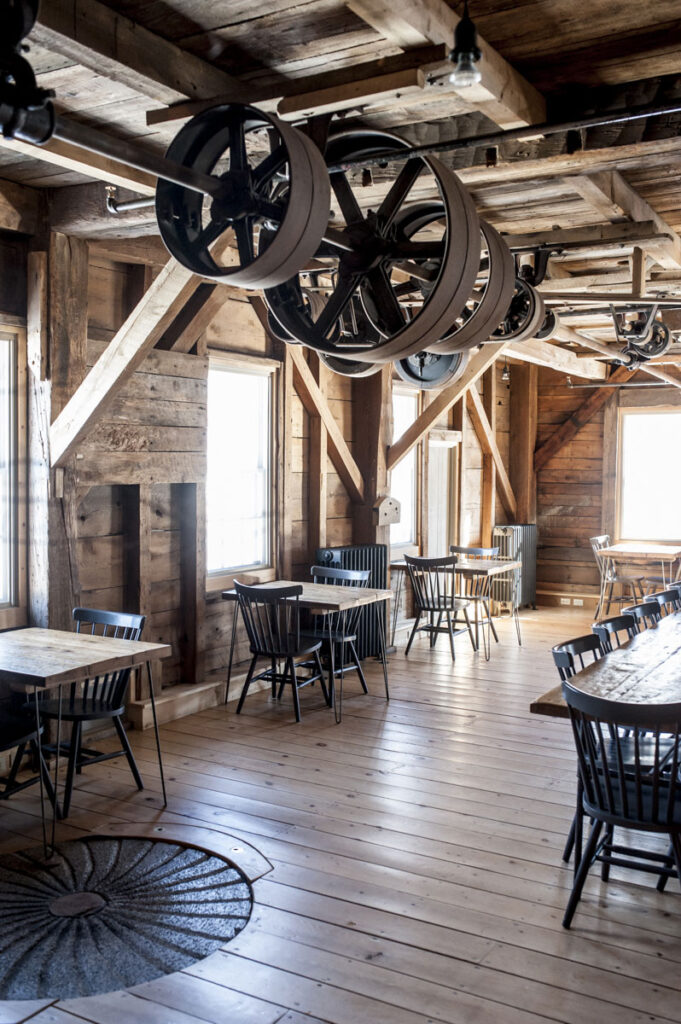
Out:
{"x": 318, "y": 461}
{"x": 91, "y": 34}
{"x": 425, "y": 59}
{"x": 316, "y": 405}
{"x": 614, "y": 197}
{"x": 489, "y": 490}
{"x": 364, "y": 93}
{"x": 488, "y": 443}
{"x": 503, "y": 94}
{"x": 148, "y": 250}
{"x": 587, "y": 410}
{"x": 372, "y": 416}
{"x": 553, "y": 357}
{"x": 594, "y": 239}
{"x": 523, "y": 433}
{"x": 20, "y": 208}
{"x": 72, "y": 158}
{"x": 146, "y": 324}
{"x": 477, "y": 365}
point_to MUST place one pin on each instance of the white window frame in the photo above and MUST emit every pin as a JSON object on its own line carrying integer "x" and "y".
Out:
{"x": 15, "y": 614}
{"x": 222, "y": 579}
{"x": 623, "y": 412}
{"x": 413, "y": 547}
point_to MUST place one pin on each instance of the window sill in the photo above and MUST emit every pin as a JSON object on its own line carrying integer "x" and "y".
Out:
{"x": 13, "y": 618}
{"x": 225, "y": 581}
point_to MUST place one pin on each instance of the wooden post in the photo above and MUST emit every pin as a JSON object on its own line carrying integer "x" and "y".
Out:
{"x": 523, "y": 424}
{"x": 372, "y": 422}
{"x": 190, "y": 501}
{"x": 318, "y": 476}
{"x": 459, "y": 422}
{"x": 53, "y": 579}
{"x": 284, "y": 431}
{"x": 489, "y": 492}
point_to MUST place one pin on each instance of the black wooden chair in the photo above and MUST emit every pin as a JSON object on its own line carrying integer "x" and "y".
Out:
{"x": 646, "y": 614}
{"x": 619, "y": 628}
{"x": 623, "y": 786}
{"x": 271, "y": 616}
{"x": 337, "y": 631}
{"x": 434, "y": 585}
{"x": 611, "y": 578}
{"x": 668, "y": 600}
{"x": 98, "y": 699}
{"x": 19, "y": 733}
{"x": 475, "y": 588}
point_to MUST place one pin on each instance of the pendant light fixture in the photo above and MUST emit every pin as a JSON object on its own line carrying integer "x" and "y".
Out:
{"x": 466, "y": 53}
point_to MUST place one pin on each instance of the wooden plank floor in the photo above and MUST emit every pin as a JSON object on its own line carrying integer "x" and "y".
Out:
{"x": 416, "y": 852}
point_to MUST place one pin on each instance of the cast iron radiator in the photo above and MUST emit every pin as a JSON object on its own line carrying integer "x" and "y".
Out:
{"x": 362, "y": 556}
{"x": 517, "y": 542}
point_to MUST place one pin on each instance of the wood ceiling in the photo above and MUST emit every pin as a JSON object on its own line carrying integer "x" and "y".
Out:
{"x": 118, "y": 65}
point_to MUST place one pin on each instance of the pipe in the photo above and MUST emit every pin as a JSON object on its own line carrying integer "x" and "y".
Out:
{"x": 513, "y": 134}
{"x": 634, "y": 301}
{"x": 564, "y": 333}
{"x": 113, "y": 206}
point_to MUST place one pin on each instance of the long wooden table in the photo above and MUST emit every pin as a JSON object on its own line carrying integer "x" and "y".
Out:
{"x": 37, "y": 659}
{"x": 645, "y": 670}
{"x": 324, "y": 597}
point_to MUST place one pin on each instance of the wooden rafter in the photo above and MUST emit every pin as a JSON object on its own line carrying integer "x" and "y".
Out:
{"x": 112, "y": 45}
{"x": 150, "y": 318}
{"x": 316, "y": 405}
{"x": 580, "y": 417}
{"x": 448, "y": 397}
{"x": 503, "y": 94}
{"x": 72, "y": 158}
{"x": 406, "y": 84}
{"x": 543, "y": 353}
{"x": 489, "y": 446}
{"x": 19, "y": 207}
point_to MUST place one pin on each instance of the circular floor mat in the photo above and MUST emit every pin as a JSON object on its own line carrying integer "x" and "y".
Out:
{"x": 108, "y": 913}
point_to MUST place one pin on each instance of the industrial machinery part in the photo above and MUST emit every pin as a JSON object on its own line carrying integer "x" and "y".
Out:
{"x": 524, "y": 316}
{"x": 640, "y": 333}
{"x": 428, "y": 370}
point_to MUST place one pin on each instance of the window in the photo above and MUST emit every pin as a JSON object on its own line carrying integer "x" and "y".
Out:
{"x": 404, "y": 477}
{"x": 12, "y": 479}
{"x": 239, "y": 474}
{"x": 649, "y": 485}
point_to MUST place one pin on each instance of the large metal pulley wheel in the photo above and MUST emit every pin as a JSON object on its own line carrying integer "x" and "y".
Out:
{"x": 428, "y": 370}
{"x": 370, "y": 257}
{"x": 524, "y": 316}
{"x": 269, "y": 210}
{"x": 655, "y": 344}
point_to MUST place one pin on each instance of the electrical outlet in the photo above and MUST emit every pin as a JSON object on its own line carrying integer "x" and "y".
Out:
{"x": 565, "y": 600}
{"x": 579, "y": 602}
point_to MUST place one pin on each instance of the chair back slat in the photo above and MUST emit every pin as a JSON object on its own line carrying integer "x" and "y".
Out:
{"x": 347, "y": 621}
{"x": 634, "y": 791}
{"x": 271, "y": 616}
{"x": 619, "y": 628}
{"x": 99, "y": 622}
{"x": 668, "y": 600}
{"x": 568, "y": 657}
{"x": 104, "y": 693}
{"x": 433, "y": 582}
{"x": 646, "y": 614}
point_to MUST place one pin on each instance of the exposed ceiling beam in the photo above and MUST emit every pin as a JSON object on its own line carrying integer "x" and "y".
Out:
{"x": 112, "y": 45}
{"x": 543, "y": 353}
{"x": 424, "y": 59}
{"x": 503, "y": 95}
{"x": 316, "y": 405}
{"x": 145, "y": 249}
{"x": 442, "y": 402}
{"x": 608, "y": 192}
{"x": 405, "y": 84}
{"x": 488, "y": 444}
{"x": 568, "y": 334}
{"x": 596, "y": 238}
{"x": 72, "y": 158}
{"x": 19, "y": 208}
{"x": 150, "y": 318}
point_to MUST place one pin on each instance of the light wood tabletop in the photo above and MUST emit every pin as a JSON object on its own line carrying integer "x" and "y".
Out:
{"x": 324, "y": 595}
{"x": 49, "y": 657}
{"x": 472, "y": 566}
{"x": 643, "y": 550}
{"x": 645, "y": 670}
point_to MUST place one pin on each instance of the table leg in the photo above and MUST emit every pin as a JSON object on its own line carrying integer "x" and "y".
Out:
{"x": 48, "y": 849}
{"x": 380, "y": 612}
{"x": 231, "y": 649}
{"x": 152, "y": 698}
{"x": 396, "y": 607}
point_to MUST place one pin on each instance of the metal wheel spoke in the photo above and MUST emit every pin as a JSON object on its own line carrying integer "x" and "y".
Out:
{"x": 387, "y": 305}
{"x": 266, "y": 168}
{"x": 238, "y": 160}
{"x": 270, "y": 211}
{"x": 211, "y": 233}
{"x": 399, "y": 190}
{"x": 244, "y": 240}
{"x": 336, "y": 303}
{"x": 346, "y": 199}
{"x": 418, "y": 250}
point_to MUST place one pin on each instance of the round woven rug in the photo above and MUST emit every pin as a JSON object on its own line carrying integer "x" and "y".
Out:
{"x": 108, "y": 913}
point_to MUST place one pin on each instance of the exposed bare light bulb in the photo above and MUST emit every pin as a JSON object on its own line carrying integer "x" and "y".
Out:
{"x": 466, "y": 53}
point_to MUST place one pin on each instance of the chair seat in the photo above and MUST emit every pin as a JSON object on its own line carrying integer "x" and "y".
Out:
{"x": 15, "y": 730}
{"x": 335, "y": 634}
{"x": 646, "y": 818}
{"x": 299, "y": 652}
{"x": 79, "y": 710}
{"x": 447, "y": 604}
{"x": 625, "y": 579}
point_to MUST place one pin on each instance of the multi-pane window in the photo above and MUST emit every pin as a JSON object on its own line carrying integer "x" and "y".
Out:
{"x": 404, "y": 476}
{"x": 239, "y": 475}
{"x": 649, "y": 485}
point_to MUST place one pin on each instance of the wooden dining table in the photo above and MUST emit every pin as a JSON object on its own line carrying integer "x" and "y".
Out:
{"x": 33, "y": 660}
{"x": 644, "y": 552}
{"x": 645, "y": 670}
{"x": 320, "y": 598}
